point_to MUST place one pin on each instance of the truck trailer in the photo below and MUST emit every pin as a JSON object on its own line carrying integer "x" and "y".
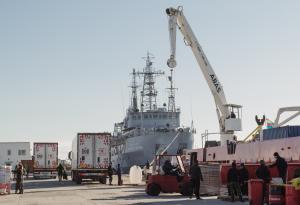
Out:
{"x": 45, "y": 156}
{"x": 90, "y": 157}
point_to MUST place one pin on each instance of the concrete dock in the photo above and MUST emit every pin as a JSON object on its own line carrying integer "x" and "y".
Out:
{"x": 48, "y": 192}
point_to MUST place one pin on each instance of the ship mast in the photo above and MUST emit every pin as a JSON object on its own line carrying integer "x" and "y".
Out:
{"x": 171, "y": 102}
{"x": 149, "y": 92}
{"x": 134, "y": 86}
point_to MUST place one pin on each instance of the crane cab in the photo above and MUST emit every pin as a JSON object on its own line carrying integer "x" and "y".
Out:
{"x": 233, "y": 121}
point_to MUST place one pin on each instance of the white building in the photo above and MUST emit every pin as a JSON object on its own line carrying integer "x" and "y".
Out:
{"x": 13, "y": 152}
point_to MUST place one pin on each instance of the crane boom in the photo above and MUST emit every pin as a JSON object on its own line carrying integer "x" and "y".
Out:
{"x": 228, "y": 123}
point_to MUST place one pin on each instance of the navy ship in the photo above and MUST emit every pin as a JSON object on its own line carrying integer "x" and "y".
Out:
{"x": 147, "y": 128}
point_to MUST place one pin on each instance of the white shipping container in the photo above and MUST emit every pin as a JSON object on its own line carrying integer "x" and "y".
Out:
{"x": 45, "y": 155}
{"x": 85, "y": 151}
{"x": 51, "y": 155}
{"x": 91, "y": 151}
{"x": 90, "y": 157}
{"x": 102, "y": 151}
{"x": 39, "y": 155}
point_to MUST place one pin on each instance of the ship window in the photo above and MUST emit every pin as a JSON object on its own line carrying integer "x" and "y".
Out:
{"x": 164, "y": 116}
{"x": 154, "y": 116}
{"x": 160, "y": 116}
{"x": 182, "y": 146}
{"x": 146, "y": 116}
{"x": 134, "y": 117}
{"x": 9, "y": 152}
{"x": 139, "y": 117}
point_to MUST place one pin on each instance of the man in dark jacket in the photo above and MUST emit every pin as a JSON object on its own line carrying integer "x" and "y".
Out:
{"x": 196, "y": 176}
{"x": 243, "y": 180}
{"x": 119, "y": 173}
{"x": 19, "y": 179}
{"x": 110, "y": 173}
{"x": 263, "y": 173}
{"x": 233, "y": 182}
{"x": 281, "y": 165}
{"x": 60, "y": 171}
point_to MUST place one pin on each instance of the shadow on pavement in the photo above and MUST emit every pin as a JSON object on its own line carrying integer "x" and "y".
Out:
{"x": 41, "y": 184}
{"x": 38, "y": 186}
{"x": 138, "y": 196}
{"x": 192, "y": 202}
{"x": 168, "y": 200}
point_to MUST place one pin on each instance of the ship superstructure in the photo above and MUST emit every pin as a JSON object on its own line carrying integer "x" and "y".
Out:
{"x": 148, "y": 128}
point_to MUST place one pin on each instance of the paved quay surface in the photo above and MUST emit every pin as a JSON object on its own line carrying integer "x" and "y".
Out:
{"x": 52, "y": 192}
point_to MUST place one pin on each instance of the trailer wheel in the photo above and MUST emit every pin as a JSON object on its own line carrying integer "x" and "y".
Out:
{"x": 153, "y": 189}
{"x": 102, "y": 180}
{"x": 73, "y": 175}
{"x": 186, "y": 189}
{"x": 78, "y": 180}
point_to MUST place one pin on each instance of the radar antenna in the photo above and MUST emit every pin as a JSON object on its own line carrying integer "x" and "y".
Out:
{"x": 149, "y": 92}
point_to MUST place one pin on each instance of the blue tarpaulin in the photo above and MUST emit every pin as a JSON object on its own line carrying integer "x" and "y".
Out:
{"x": 281, "y": 132}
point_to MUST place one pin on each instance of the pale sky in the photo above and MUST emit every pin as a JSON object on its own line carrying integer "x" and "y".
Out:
{"x": 64, "y": 65}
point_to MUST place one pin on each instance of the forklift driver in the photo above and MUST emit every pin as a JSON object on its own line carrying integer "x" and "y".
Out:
{"x": 169, "y": 169}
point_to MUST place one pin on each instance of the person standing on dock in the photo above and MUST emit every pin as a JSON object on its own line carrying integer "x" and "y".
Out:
{"x": 60, "y": 170}
{"x": 110, "y": 173}
{"x": 196, "y": 176}
{"x": 263, "y": 173}
{"x": 244, "y": 177}
{"x": 19, "y": 179}
{"x": 233, "y": 182}
{"x": 281, "y": 165}
{"x": 119, "y": 173}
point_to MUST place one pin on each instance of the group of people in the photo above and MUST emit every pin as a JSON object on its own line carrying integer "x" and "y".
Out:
{"x": 118, "y": 172}
{"x": 237, "y": 181}
{"x": 237, "y": 178}
{"x": 263, "y": 172}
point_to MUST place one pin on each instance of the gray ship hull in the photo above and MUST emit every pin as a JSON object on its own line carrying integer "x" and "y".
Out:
{"x": 139, "y": 148}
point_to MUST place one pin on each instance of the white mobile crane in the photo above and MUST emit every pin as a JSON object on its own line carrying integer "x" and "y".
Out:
{"x": 229, "y": 115}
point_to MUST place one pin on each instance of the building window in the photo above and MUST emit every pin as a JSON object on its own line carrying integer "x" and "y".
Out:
{"x": 21, "y": 152}
{"x": 8, "y": 152}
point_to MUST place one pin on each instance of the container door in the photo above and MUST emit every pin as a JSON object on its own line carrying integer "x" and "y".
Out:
{"x": 85, "y": 151}
{"x": 39, "y": 155}
{"x": 102, "y": 145}
{"x": 51, "y": 155}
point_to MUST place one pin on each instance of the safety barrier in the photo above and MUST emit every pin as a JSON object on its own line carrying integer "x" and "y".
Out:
{"x": 5, "y": 179}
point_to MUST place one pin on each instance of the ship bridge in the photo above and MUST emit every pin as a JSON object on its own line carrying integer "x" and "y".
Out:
{"x": 160, "y": 119}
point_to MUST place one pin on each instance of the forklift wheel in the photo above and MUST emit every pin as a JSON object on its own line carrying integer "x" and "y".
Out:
{"x": 153, "y": 189}
{"x": 186, "y": 189}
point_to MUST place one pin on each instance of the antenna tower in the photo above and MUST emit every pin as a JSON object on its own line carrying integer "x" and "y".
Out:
{"x": 134, "y": 86}
{"x": 149, "y": 92}
{"x": 171, "y": 103}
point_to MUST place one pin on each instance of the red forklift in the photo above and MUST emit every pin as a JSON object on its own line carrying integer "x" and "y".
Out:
{"x": 179, "y": 182}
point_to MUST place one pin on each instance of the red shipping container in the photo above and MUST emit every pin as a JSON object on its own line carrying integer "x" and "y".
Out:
{"x": 276, "y": 195}
{"x": 292, "y": 196}
{"x": 255, "y": 187}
